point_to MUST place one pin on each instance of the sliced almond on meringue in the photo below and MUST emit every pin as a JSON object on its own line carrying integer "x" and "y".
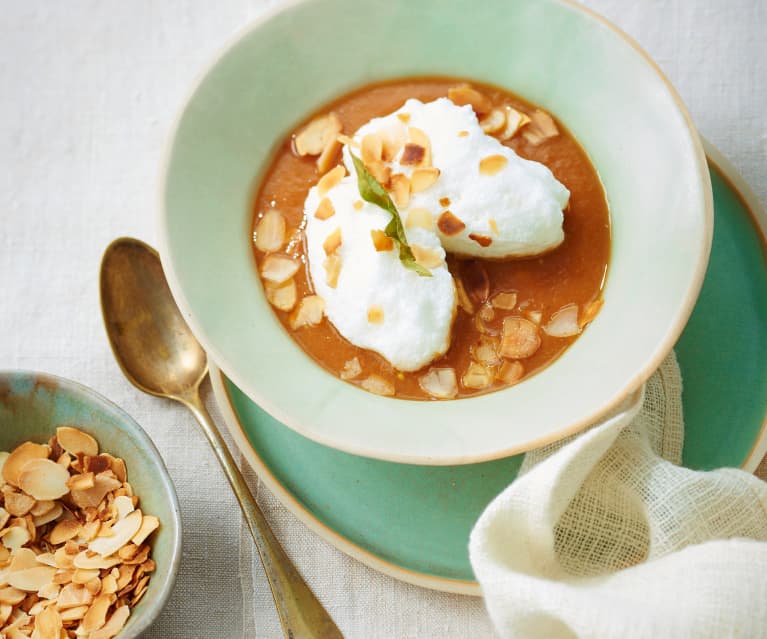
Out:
{"x": 325, "y": 209}
{"x": 375, "y": 314}
{"x": 330, "y": 179}
{"x": 427, "y": 257}
{"x": 422, "y": 179}
{"x": 400, "y": 190}
{"x": 419, "y": 218}
{"x": 332, "y": 241}
{"x": 381, "y": 241}
{"x": 492, "y": 164}
{"x": 449, "y": 224}
{"x": 332, "y": 265}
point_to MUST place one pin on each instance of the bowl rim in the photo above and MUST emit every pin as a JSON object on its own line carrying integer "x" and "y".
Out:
{"x": 652, "y": 361}
{"x": 134, "y": 428}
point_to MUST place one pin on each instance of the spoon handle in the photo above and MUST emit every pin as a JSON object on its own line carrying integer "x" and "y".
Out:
{"x": 301, "y": 614}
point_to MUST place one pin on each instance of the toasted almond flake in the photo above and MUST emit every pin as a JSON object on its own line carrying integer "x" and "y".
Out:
{"x": 42, "y": 507}
{"x": 128, "y": 552}
{"x": 48, "y": 624}
{"x": 282, "y": 296}
{"x": 413, "y": 154}
{"x": 330, "y": 179}
{"x": 15, "y": 537}
{"x": 419, "y": 218}
{"x": 114, "y": 625}
{"x": 352, "y": 369}
{"x": 332, "y": 241}
{"x": 493, "y": 121}
{"x": 563, "y": 323}
{"x": 493, "y": 226}
{"x": 358, "y": 204}
{"x": 400, "y": 189}
{"x": 380, "y": 171}
{"x": 90, "y": 531}
{"x": 589, "y": 313}
{"x": 4, "y": 517}
{"x": 392, "y": 141}
{"x": 3, "y": 456}
{"x": 486, "y": 351}
{"x": 422, "y": 179}
{"x": 74, "y": 614}
{"x": 544, "y": 122}
{"x": 463, "y": 134}
{"x": 103, "y": 484}
{"x": 10, "y": 596}
{"x": 109, "y": 584}
{"x": 269, "y": 235}
{"x": 477, "y": 377}
{"x": 419, "y": 138}
{"x": 404, "y": 117}
{"x": 83, "y": 481}
{"x": 64, "y": 561}
{"x": 381, "y": 241}
{"x": 82, "y": 577}
{"x": 486, "y": 313}
{"x": 329, "y": 155}
{"x": 88, "y": 560}
{"x": 375, "y": 314}
{"x": 149, "y": 524}
{"x": 492, "y": 164}
{"x": 378, "y": 385}
{"x": 124, "y": 506}
{"x": 5, "y": 612}
{"x": 463, "y": 297}
{"x": 312, "y": 139}
{"x": 19, "y": 457}
{"x": 75, "y": 441}
{"x": 46, "y": 558}
{"x": 96, "y": 615}
{"x": 49, "y": 591}
{"x": 52, "y": 515}
{"x": 96, "y": 464}
{"x": 278, "y": 268}
{"x": 520, "y": 338}
{"x": 31, "y": 579}
{"x": 73, "y": 596}
{"x": 371, "y": 148}
{"x": 426, "y": 257}
{"x": 332, "y": 266}
{"x": 309, "y": 312}
{"x": 504, "y": 301}
{"x": 483, "y": 240}
{"x": 325, "y": 209}
{"x": 466, "y": 94}
{"x": 515, "y": 120}
{"x": 449, "y": 224}
{"x": 345, "y": 139}
{"x": 475, "y": 280}
{"x": 18, "y": 504}
{"x": 535, "y": 316}
{"x": 440, "y": 383}
{"x": 123, "y": 530}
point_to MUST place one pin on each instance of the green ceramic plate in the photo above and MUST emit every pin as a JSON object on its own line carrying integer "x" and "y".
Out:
{"x": 413, "y": 522}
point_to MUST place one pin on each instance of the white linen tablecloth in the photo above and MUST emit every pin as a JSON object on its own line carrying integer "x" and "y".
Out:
{"x": 88, "y": 92}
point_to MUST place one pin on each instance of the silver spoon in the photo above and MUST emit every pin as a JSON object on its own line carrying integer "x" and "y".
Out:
{"x": 159, "y": 355}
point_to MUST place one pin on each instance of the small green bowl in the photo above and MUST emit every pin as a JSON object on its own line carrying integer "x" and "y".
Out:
{"x": 33, "y": 405}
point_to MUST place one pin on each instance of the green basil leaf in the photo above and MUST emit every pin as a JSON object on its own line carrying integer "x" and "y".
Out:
{"x": 372, "y": 191}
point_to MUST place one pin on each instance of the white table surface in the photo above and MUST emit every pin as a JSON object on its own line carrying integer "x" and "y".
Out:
{"x": 88, "y": 92}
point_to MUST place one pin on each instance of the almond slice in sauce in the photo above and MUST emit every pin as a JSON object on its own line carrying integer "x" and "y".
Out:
{"x": 378, "y": 385}
{"x": 19, "y": 457}
{"x": 375, "y": 314}
{"x": 75, "y": 441}
{"x": 448, "y": 224}
{"x": 381, "y": 241}
{"x": 477, "y": 377}
{"x": 422, "y": 179}
{"x": 282, "y": 296}
{"x": 325, "y": 209}
{"x": 332, "y": 241}
{"x": 590, "y": 312}
{"x": 466, "y": 94}
{"x": 347, "y": 141}
{"x": 332, "y": 265}
{"x": 492, "y": 164}
{"x": 535, "y": 316}
{"x": 269, "y": 236}
{"x": 44, "y": 479}
{"x": 541, "y": 128}
{"x": 329, "y": 155}
{"x": 330, "y": 180}
{"x": 440, "y": 383}
{"x": 493, "y": 121}
{"x": 510, "y": 372}
{"x": 463, "y": 297}
{"x": 400, "y": 190}
{"x": 486, "y": 351}
{"x": 278, "y": 268}
{"x": 504, "y": 301}
{"x": 475, "y": 280}
{"x": 427, "y": 257}
{"x": 515, "y": 120}
{"x": 419, "y": 218}
{"x": 352, "y": 368}
{"x": 563, "y": 323}
{"x": 519, "y": 338}
{"x": 309, "y": 312}
{"x": 312, "y": 139}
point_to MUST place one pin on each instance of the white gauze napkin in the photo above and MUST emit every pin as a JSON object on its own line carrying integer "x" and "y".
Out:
{"x": 604, "y": 535}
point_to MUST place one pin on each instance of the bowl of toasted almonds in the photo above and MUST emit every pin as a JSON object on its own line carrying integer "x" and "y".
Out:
{"x": 90, "y": 530}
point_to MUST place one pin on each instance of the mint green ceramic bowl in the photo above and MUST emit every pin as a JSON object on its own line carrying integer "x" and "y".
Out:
{"x": 33, "y": 405}
{"x": 556, "y": 54}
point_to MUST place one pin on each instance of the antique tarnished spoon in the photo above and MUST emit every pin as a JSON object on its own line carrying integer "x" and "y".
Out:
{"x": 159, "y": 355}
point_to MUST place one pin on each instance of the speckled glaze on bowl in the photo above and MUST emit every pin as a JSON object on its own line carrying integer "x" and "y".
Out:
{"x": 556, "y": 54}
{"x": 33, "y": 405}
